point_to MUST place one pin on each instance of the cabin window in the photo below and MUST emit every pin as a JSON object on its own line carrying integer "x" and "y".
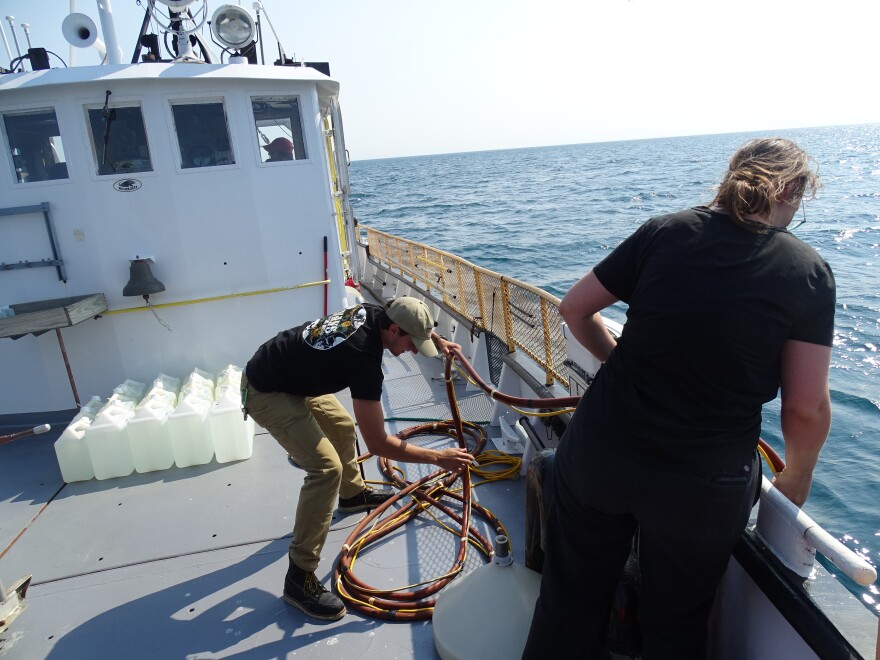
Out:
{"x": 202, "y": 133}
{"x": 279, "y": 128}
{"x": 35, "y": 146}
{"x": 119, "y": 140}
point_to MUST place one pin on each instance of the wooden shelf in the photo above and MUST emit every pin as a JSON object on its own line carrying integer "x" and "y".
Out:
{"x": 44, "y": 315}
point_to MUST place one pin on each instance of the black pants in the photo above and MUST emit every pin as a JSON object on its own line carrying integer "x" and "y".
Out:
{"x": 689, "y": 521}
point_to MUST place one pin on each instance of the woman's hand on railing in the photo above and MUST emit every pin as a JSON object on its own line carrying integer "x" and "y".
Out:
{"x": 795, "y": 486}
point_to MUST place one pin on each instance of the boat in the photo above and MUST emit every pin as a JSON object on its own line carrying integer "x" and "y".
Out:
{"x": 147, "y": 235}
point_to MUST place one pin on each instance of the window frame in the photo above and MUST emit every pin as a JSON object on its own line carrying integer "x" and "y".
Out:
{"x": 130, "y": 102}
{"x": 34, "y": 108}
{"x": 176, "y": 151}
{"x": 254, "y": 136}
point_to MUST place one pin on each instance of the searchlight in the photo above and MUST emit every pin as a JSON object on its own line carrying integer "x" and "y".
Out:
{"x": 233, "y": 27}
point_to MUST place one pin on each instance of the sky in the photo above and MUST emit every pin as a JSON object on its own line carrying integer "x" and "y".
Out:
{"x": 422, "y": 77}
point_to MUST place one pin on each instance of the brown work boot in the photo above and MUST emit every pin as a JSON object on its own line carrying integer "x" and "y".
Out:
{"x": 302, "y": 589}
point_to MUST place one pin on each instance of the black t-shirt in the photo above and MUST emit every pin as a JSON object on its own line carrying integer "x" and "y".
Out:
{"x": 323, "y": 357}
{"x": 710, "y": 306}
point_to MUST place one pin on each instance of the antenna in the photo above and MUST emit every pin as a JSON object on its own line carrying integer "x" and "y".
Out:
{"x": 27, "y": 34}
{"x": 5, "y": 42}
{"x": 11, "y": 20}
{"x": 281, "y": 52}
{"x": 257, "y": 8}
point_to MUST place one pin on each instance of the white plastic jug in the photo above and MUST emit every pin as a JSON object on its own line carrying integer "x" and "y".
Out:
{"x": 233, "y": 436}
{"x": 148, "y": 434}
{"x": 130, "y": 389}
{"x": 189, "y": 431}
{"x": 73, "y": 453}
{"x": 229, "y": 375}
{"x": 199, "y": 381}
{"x": 91, "y": 409}
{"x": 107, "y": 440}
{"x": 167, "y": 383}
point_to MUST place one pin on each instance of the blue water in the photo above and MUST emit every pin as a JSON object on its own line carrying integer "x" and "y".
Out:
{"x": 546, "y": 215}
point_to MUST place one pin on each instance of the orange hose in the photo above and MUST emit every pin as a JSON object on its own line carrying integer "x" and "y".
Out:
{"x": 418, "y": 604}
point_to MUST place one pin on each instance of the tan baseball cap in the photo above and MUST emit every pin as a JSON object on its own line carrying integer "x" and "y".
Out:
{"x": 414, "y": 318}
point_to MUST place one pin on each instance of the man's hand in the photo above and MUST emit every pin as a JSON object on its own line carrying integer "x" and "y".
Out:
{"x": 369, "y": 416}
{"x": 444, "y": 345}
{"x": 453, "y": 459}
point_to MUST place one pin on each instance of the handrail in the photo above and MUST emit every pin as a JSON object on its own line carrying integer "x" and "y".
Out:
{"x": 794, "y": 538}
{"x": 198, "y": 301}
{"x": 523, "y": 316}
{"x": 464, "y": 288}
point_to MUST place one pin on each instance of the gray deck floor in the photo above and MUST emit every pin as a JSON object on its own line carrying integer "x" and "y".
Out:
{"x": 189, "y": 563}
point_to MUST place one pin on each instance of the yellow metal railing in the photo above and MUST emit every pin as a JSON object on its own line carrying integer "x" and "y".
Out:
{"x": 330, "y": 146}
{"x": 523, "y": 316}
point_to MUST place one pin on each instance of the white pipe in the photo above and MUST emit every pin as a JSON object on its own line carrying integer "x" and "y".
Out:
{"x": 71, "y": 49}
{"x": 105, "y": 11}
{"x": 795, "y": 537}
{"x": 102, "y": 50}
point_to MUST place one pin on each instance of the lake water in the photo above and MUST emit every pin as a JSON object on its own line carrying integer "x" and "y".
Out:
{"x": 546, "y": 215}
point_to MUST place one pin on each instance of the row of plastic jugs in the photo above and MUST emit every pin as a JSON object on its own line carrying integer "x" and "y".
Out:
{"x": 115, "y": 438}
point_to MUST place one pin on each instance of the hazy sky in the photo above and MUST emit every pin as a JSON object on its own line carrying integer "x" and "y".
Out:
{"x": 424, "y": 77}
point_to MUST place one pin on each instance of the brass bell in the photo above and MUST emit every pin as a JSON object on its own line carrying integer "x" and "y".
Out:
{"x": 141, "y": 281}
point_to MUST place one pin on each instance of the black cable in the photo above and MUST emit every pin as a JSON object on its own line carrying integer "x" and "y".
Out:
{"x": 14, "y": 63}
{"x": 59, "y": 57}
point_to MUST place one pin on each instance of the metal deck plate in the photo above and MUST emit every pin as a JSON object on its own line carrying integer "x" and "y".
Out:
{"x": 190, "y": 563}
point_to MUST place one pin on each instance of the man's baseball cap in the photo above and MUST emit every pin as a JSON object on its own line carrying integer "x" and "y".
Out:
{"x": 279, "y": 144}
{"x": 414, "y": 318}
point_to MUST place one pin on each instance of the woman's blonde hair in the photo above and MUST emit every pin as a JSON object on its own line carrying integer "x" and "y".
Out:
{"x": 758, "y": 175}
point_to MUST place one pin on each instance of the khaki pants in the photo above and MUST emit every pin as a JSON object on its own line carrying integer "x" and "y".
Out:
{"x": 320, "y": 436}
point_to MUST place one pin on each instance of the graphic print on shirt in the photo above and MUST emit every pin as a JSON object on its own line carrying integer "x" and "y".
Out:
{"x": 332, "y": 330}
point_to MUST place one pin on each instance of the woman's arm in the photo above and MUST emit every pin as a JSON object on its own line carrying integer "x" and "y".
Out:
{"x": 806, "y": 414}
{"x": 580, "y": 308}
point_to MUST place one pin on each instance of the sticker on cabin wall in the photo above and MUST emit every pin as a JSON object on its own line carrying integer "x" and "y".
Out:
{"x": 127, "y": 185}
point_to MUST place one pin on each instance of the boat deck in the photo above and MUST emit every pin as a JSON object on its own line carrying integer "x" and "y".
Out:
{"x": 190, "y": 563}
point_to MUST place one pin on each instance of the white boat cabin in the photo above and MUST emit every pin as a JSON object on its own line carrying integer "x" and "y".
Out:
{"x": 168, "y": 162}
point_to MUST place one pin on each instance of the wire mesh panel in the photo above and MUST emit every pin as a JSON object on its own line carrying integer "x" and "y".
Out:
{"x": 515, "y": 315}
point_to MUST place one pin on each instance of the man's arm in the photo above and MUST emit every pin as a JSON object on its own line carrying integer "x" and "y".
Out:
{"x": 580, "y": 308}
{"x": 371, "y": 422}
{"x": 806, "y": 414}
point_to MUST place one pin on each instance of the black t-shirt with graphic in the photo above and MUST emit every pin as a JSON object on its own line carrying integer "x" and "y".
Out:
{"x": 710, "y": 306}
{"x": 324, "y": 356}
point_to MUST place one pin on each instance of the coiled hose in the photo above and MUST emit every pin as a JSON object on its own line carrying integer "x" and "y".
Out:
{"x": 416, "y": 602}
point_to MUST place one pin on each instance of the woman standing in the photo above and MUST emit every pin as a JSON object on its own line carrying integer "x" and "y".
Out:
{"x": 725, "y": 308}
